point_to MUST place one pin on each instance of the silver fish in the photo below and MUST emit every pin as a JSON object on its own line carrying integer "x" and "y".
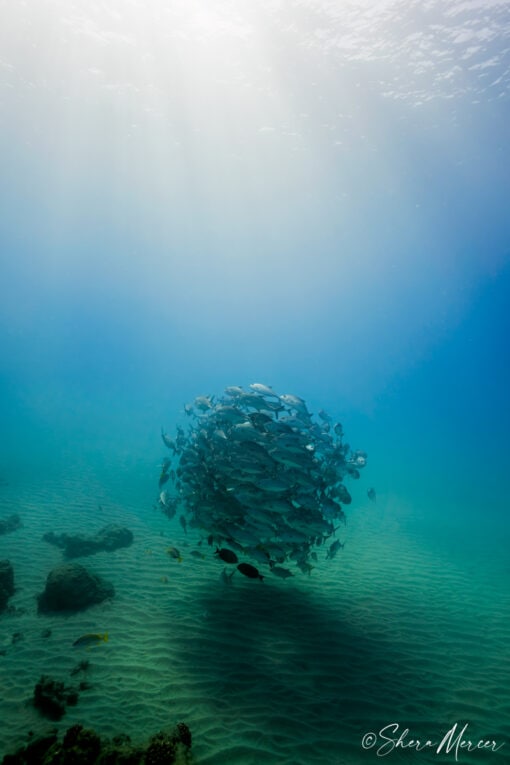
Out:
{"x": 283, "y": 573}
{"x": 333, "y": 549}
{"x": 265, "y": 390}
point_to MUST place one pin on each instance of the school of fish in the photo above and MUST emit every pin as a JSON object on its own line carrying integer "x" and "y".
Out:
{"x": 257, "y": 472}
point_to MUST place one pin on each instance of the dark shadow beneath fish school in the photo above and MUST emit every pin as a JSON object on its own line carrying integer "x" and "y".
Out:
{"x": 286, "y": 673}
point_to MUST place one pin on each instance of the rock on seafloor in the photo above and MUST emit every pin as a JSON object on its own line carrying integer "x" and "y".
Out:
{"x": 109, "y": 538}
{"x": 81, "y": 746}
{"x": 71, "y": 587}
{"x": 11, "y": 523}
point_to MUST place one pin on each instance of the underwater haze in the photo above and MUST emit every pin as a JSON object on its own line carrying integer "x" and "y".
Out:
{"x": 309, "y": 194}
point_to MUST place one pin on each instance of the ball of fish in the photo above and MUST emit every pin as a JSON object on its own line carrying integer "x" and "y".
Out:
{"x": 260, "y": 477}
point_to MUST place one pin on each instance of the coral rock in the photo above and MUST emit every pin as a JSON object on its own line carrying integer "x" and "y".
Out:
{"x": 71, "y": 588}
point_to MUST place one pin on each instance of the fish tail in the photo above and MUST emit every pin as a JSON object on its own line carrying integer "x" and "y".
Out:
{"x": 105, "y": 637}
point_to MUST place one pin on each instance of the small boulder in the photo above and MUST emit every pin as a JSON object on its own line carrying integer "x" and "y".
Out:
{"x": 70, "y": 587}
{"x": 11, "y": 523}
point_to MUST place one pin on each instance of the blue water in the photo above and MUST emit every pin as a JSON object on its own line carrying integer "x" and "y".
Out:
{"x": 310, "y": 195}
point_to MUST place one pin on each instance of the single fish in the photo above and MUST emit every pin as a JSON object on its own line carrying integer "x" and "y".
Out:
{"x": 333, "y": 549}
{"x": 203, "y": 403}
{"x": 184, "y": 523}
{"x": 163, "y": 477}
{"x": 168, "y": 504}
{"x": 174, "y": 553}
{"x": 250, "y": 571}
{"x": 283, "y": 573}
{"x": 371, "y": 495}
{"x": 294, "y": 402}
{"x": 265, "y": 390}
{"x": 234, "y": 391}
{"x": 226, "y": 555}
{"x": 169, "y": 442}
{"x": 91, "y": 638}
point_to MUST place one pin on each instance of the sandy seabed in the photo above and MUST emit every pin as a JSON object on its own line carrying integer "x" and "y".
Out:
{"x": 393, "y": 630}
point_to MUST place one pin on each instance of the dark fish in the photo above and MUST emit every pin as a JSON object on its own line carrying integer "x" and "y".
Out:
{"x": 283, "y": 573}
{"x": 250, "y": 571}
{"x": 169, "y": 442}
{"x": 174, "y": 553}
{"x": 163, "y": 478}
{"x": 333, "y": 549}
{"x": 168, "y": 504}
{"x": 228, "y": 556}
{"x": 164, "y": 475}
{"x": 184, "y": 523}
{"x": 371, "y": 495}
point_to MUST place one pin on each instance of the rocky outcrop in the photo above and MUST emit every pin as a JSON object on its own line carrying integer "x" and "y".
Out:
{"x": 82, "y": 746}
{"x": 11, "y": 523}
{"x": 112, "y": 537}
{"x": 71, "y": 587}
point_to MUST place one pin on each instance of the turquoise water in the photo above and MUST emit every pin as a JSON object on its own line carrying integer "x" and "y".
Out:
{"x": 312, "y": 195}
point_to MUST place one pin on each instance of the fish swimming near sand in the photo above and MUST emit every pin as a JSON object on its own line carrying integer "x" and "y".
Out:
{"x": 333, "y": 549}
{"x": 371, "y": 495}
{"x": 90, "y": 639}
{"x": 174, "y": 553}
{"x": 228, "y": 556}
{"x": 283, "y": 573}
{"x": 250, "y": 571}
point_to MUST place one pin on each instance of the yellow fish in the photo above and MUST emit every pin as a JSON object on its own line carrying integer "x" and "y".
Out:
{"x": 174, "y": 553}
{"x": 91, "y": 638}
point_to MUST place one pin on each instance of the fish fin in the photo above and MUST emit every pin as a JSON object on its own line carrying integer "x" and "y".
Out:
{"x": 105, "y": 637}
